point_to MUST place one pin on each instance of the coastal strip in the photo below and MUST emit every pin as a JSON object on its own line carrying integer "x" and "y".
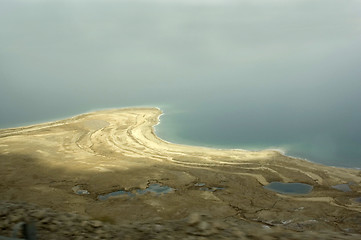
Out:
{"x": 117, "y": 149}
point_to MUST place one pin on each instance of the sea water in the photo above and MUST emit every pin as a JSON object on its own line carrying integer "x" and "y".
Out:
{"x": 231, "y": 74}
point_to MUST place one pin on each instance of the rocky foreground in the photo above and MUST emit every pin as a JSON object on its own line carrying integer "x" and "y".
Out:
{"x": 56, "y": 225}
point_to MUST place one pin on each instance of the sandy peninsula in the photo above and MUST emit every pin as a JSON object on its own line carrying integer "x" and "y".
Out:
{"x": 66, "y": 165}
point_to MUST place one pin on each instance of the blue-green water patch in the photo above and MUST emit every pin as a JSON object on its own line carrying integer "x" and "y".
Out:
{"x": 155, "y": 188}
{"x": 203, "y": 187}
{"x": 342, "y": 187}
{"x": 211, "y": 189}
{"x": 152, "y": 188}
{"x": 115, "y": 194}
{"x": 289, "y": 188}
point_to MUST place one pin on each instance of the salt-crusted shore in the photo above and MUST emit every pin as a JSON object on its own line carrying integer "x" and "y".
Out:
{"x": 112, "y": 150}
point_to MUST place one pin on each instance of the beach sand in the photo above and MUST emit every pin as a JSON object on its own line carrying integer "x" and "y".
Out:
{"x": 112, "y": 150}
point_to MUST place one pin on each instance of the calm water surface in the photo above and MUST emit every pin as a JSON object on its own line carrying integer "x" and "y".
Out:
{"x": 289, "y": 188}
{"x": 232, "y": 74}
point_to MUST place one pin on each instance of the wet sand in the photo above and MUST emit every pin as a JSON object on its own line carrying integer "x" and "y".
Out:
{"x": 114, "y": 150}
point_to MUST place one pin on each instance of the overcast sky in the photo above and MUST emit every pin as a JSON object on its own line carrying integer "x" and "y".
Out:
{"x": 60, "y": 58}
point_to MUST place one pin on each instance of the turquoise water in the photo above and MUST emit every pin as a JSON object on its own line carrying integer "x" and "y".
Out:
{"x": 231, "y": 74}
{"x": 326, "y": 141}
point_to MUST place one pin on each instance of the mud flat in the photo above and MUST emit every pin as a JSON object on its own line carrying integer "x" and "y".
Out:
{"x": 117, "y": 150}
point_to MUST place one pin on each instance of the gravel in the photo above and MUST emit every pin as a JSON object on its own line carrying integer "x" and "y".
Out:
{"x": 57, "y": 225}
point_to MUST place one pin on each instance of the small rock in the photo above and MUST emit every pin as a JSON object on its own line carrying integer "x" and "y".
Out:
{"x": 3, "y": 212}
{"x": 99, "y": 231}
{"x": 219, "y": 225}
{"x": 201, "y": 238}
{"x": 84, "y": 223}
{"x": 203, "y": 226}
{"x": 158, "y": 228}
{"x": 45, "y": 220}
{"x": 266, "y": 227}
{"x": 238, "y": 233}
{"x": 96, "y": 223}
{"x": 39, "y": 214}
{"x": 53, "y": 227}
{"x": 6, "y": 222}
{"x": 143, "y": 228}
{"x": 57, "y": 222}
{"x": 20, "y": 212}
{"x": 15, "y": 218}
{"x": 194, "y": 218}
{"x": 107, "y": 235}
{"x": 266, "y": 237}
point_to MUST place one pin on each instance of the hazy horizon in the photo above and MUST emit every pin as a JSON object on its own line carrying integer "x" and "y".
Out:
{"x": 244, "y": 74}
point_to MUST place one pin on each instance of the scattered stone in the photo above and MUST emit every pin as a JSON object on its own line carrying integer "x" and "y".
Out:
{"x": 158, "y": 228}
{"x": 39, "y": 214}
{"x": 15, "y": 218}
{"x": 53, "y": 225}
{"x": 194, "y": 218}
{"x": 96, "y": 223}
{"x": 99, "y": 231}
{"x": 203, "y": 226}
{"x": 238, "y": 233}
{"x": 78, "y": 189}
{"x": 84, "y": 223}
{"x": 219, "y": 225}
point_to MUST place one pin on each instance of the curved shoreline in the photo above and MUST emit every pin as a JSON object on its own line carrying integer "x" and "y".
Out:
{"x": 152, "y": 120}
{"x": 60, "y": 121}
{"x": 114, "y": 149}
{"x": 281, "y": 150}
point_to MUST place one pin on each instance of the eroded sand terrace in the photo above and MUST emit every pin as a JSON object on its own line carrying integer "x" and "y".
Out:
{"x": 114, "y": 150}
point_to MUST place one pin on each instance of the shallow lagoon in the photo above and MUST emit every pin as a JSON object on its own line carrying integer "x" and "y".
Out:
{"x": 289, "y": 188}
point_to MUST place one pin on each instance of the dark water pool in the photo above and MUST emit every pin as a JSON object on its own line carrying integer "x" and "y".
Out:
{"x": 155, "y": 188}
{"x": 289, "y": 188}
{"x": 152, "y": 188}
{"x": 211, "y": 189}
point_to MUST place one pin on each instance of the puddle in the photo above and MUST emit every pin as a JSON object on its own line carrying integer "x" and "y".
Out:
{"x": 199, "y": 184}
{"x": 342, "y": 187}
{"x": 289, "y": 188}
{"x": 152, "y": 188}
{"x": 156, "y": 188}
{"x": 114, "y": 194}
{"x": 211, "y": 189}
{"x": 78, "y": 190}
